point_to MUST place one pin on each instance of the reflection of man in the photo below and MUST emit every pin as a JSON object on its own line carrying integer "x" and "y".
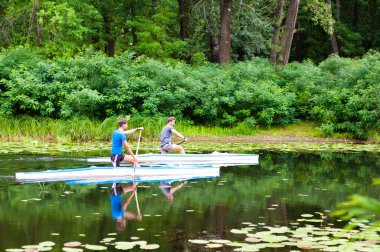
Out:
{"x": 168, "y": 190}
{"x": 118, "y": 209}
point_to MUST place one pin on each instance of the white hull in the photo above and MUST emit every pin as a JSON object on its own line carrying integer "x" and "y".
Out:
{"x": 119, "y": 173}
{"x": 217, "y": 158}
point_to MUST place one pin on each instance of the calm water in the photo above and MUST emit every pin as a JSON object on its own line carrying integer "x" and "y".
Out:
{"x": 275, "y": 192}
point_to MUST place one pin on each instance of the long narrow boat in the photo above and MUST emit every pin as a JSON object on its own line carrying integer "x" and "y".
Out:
{"x": 214, "y": 158}
{"x": 121, "y": 173}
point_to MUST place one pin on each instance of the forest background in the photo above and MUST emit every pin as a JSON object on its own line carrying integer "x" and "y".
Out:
{"x": 243, "y": 63}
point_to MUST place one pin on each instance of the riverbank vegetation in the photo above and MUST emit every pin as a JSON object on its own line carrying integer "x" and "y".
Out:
{"x": 341, "y": 95}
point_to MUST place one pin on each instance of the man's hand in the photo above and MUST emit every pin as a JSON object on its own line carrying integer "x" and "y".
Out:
{"x": 140, "y": 128}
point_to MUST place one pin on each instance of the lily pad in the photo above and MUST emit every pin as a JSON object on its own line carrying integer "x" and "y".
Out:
{"x": 14, "y": 250}
{"x": 95, "y": 247}
{"x": 150, "y": 246}
{"x": 307, "y": 215}
{"x": 220, "y": 241}
{"x": 214, "y": 245}
{"x": 198, "y": 241}
{"x": 72, "y": 244}
{"x": 125, "y": 246}
{"x": 238, "y": 231}
{"x": 69, "y": 249}
{"x": 46, "y": 244}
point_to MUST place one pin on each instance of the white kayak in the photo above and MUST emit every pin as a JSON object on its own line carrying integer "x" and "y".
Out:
{"x": 98, "y": 173}
{"x": 214, "y": 158}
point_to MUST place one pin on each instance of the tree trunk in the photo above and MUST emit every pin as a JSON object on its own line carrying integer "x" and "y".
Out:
{"x": 298, "y": 41}
{"x": 355, "y": 23}
{"x": 110, "y": 46}
{"x": 337, "y": 3}
{"x": 286, "y": 43}
{"x": 214, "y": 48}
{"x": 276, "y": 32}
{"x": 373, "y": 6}
{"x": 225, "y": 32}
{"x": 184, "y": 10}
{"x": 37, "y": 27}
{"x": 332, "y": 38}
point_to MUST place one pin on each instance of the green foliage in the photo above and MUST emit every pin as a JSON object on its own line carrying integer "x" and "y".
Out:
{"x": 341, "y": 94}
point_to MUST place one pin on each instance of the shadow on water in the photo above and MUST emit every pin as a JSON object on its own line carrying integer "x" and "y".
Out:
{"x": 278, "y": 191}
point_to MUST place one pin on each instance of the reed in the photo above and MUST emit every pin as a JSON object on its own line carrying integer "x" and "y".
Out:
{"x": 82, "y": 129}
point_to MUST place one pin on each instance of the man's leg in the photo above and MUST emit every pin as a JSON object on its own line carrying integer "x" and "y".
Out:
{"x": 179, "y": 148}
{"x": 129, "y": 159}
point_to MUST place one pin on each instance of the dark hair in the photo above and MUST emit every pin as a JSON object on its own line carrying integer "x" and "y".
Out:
{"x": 122, "y": 121}
{"x": 170, "y": 119}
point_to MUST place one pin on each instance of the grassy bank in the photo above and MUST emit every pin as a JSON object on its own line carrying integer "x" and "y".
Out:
{"x": 87, "y": 130}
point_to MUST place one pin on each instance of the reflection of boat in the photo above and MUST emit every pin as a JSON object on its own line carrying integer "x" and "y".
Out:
{"x": 214, "y": 158}
{"x": 98, "y": 174}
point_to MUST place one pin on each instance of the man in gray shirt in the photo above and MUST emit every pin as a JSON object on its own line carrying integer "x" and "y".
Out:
{"x": 166, "y": 138}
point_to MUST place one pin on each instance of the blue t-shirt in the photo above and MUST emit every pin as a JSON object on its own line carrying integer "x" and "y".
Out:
{"x": 117, "y": 142}
{"x": 116, "y": 207}
{"x": 166, "y": 135}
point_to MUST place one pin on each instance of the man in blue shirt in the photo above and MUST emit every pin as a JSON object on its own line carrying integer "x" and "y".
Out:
{"x": 166, "y": 138}
{"x": 118, "y": 208}
{"x": 118, "y": 141}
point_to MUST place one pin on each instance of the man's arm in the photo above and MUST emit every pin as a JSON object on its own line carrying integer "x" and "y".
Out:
{"x": 131, "y": 131}
{"x": 173, "y": 189}
{"x": 126, "y": 146}
{"x": 179, "y": 134}
{"x": 128, "y": 200}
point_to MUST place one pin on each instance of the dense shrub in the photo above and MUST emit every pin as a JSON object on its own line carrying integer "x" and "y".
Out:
{"x": 342, "y": 94}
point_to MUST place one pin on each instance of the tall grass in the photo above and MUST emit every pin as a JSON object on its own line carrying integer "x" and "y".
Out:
{"x": 82, "y": 129}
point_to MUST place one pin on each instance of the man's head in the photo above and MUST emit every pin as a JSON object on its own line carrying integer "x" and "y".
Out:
{"x": 171, "y": 120}
{"x": 123, "y": 123}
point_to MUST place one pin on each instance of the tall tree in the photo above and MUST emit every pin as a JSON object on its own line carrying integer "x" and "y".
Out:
{"x": 37, "y": 28}
{"x": 184, "y": 12}
{"x": 286, "y": 42}
{"x": 332, "y": 36}
{"x": 276, "y": 32}
{"x": 225, "y": 32}
{"x": 374, "y": 26}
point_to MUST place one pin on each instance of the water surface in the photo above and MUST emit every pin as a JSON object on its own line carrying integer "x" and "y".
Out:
{"x": 276, "y": 192}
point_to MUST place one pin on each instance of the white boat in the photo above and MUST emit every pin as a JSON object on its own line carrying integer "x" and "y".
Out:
{"x": 214, "y": 158}
{"x": 98, "y": 173}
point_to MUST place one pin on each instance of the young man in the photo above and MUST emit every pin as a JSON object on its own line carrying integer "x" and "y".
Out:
{"x": 168, "y": 190}
{"x": 118, "y": 209}
{"x": 166, "y": 138}
{"x": 118, "y": 141}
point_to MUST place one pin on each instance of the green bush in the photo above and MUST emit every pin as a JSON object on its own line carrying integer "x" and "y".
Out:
{"x": 341, "y": 94}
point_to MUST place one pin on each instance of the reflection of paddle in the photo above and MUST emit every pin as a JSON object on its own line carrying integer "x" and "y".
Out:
{"x": 134, "y": 174}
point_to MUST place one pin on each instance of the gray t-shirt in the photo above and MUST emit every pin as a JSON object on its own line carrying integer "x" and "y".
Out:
{"x": 166, "y": 135}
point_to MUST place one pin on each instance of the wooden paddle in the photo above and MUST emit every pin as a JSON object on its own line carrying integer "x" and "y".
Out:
{"x": 134, "y": 172}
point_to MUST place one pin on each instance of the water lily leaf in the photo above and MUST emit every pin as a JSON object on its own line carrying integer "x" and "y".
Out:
{"x": 95, "y": 247}
{"x": 220, "y": 241}
{"x": 135, "y": 238}
{"x": 55, "y": 234}
{"x": 46, "y": 244}
{"x": 248, "y": 248}
{"x": 45, "y": 248}
{"x": 199, "y": 241}
{"x": 238, "y": 231}
{"x": 252, "y": 239}
{"x": 307, "y": 215}
{"x": 72, "y": 244}
{"x": 124, "y": 246}
{"x": 108, "y": 239}
{"x": 14, "y": 250}
{"x": 140, "y": 229}
{"x": 236, "y": 244}
{"x": 110, "y": 234}
{"x": 214, "y": 245}
{"x": 30, "y": 246}
{"x": 150, "y": 246}
{"x": 69, "y": 249}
